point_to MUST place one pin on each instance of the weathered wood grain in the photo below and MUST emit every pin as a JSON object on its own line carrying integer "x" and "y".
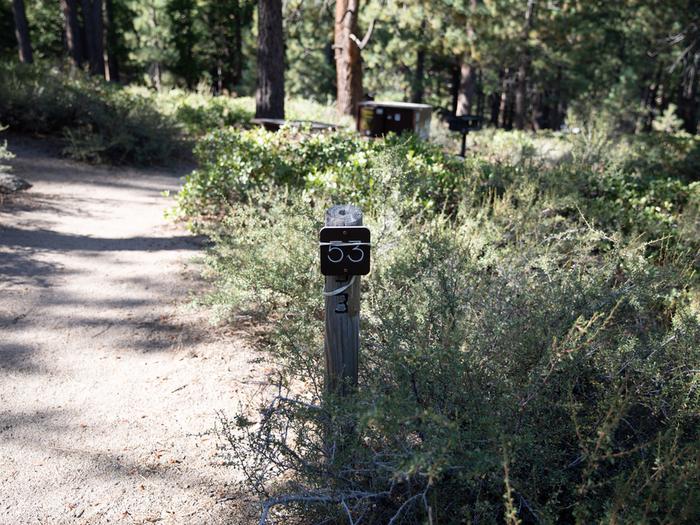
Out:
{"x": 342, "y": 316}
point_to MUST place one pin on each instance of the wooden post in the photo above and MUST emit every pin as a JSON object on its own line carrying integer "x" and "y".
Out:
{"x": 342, "y": 320}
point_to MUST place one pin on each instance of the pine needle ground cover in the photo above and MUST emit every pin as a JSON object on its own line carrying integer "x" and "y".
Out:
{"x": 530, "y": 341}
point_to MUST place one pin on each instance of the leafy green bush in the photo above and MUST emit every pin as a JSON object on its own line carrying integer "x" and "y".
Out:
{"x": 100, "y": 122}
{"x": 605, "y": 181}
{"x": 515, "y": 355}
{"x": 662, "y": 155}
{"x": 233, "y": 162}
{"x": 199, "y": 112}
{"x": 530, "y": 336}
{"x": 5, "y": 154}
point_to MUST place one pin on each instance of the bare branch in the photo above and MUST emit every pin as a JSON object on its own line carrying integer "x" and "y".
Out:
{"x": 404, "y": 506}
{"x": 347, "y": 511}
{"x": 362, "y": 43}
{"x": 317, "y": 498}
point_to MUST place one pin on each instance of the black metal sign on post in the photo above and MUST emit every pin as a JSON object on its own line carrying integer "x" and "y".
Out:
{"x": 464, "y": 124}
{"x": 345, "y": 250}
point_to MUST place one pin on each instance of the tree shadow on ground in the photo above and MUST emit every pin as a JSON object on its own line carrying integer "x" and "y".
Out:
{"x": 19, "y": 267}
{"x": 18, "y": 359}
{"x": 48, "y": 240}
{"x": 144, "y": 475}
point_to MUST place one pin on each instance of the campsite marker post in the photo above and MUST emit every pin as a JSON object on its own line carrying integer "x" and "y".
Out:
{"x": 345, "y": 255}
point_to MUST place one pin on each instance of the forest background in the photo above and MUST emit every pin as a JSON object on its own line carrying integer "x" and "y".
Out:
{"x": 520, "y": 64}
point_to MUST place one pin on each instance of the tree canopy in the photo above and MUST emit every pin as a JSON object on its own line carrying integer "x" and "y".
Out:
{"x": 522, "y": 64}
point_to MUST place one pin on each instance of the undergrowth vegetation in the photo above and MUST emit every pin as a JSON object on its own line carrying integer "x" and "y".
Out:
{"x": 5, "y": 154}
{"x": 197, "y": 113}
{"x": 99, "y": 121}
{"x": 103, "y": 122}
{"x": 530, "y": 342}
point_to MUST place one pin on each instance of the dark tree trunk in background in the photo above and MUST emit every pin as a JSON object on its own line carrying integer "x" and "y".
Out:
{"x": 523, "y": 70}
{"x": 74, "y": 42}
{"x": 480, "y": 93}
{"x": 89, "y": 31}
{"x": 94, "y": 34}
{"x": 112, "y": 43}
{"x": 540, "y": 109}
{"x": 22, "y": 32}
{"x": 509, "y": 114}
{"x": 348, "y": 62}
{"x": 687, "y": 100}
{"x": 494, "y": 101}
{"x": 418, "y": 88}
{"x": 520, "y": 95}
{"x": 467, "y": 89}
{"x": 503, "y": 104}
{"x": 269, "y": 96}
{"x": 98, "y": 37}
{"x": 466, "y": 101}
{"x": 237, "y": 66}
{"x": 454, "y": 87}
{"x": 558, "y": 110}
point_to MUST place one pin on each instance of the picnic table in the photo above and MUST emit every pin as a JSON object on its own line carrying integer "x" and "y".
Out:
{"x": 274, "y": 124}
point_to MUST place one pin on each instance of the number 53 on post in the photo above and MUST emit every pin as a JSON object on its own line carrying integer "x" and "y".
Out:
{"x": 345, "y": 250}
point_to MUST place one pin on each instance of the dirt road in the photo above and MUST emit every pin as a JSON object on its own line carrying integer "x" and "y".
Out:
{"x": 108, "y": 383}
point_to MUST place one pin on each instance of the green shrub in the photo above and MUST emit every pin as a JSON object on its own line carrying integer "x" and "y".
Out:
{"x": 233, "y": 162}
{"x": 199, "y": 112}
{"x": 657, "y": 154}
{"x": 603, "y": 180}
{"x": 530, "y": 330}
{"x": 100, "y": 122}
{"x": 5, "y": 154}
{"x": 546, "y": 352}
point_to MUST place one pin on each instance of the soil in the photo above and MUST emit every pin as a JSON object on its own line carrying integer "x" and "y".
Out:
{"x": 110, "y": 382}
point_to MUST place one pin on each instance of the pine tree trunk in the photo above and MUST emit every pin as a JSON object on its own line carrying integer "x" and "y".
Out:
{"x": 558, "y": 112}
{"x": 687, "y": 101}
{"x": 94, "y": 33}
{"x": 112, "y": 43}
{"x": 479, "y": 92}
{"x": 418, "y": 80}
{"x": 22, "y": 32}
{"x": 418, "y": 87}
{"x": 503, "y": 103}
{"x": 520, "y": 95}
{"x": 467, "y": 89}
{"x": 269, "y": 96}
{"x": 454, "y": 88}
{"x": 495, "y": 102}
{"x": 98, "y": 24}
{"x": 467, "y": 72}
{"x": 237, "y": 65}
{"x": 523, "y": 70}
{"x": 74, "y": 42}
{"x": 348, "y": 64}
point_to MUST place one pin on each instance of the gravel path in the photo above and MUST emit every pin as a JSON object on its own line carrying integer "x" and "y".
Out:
{"x": 108, "y": 383}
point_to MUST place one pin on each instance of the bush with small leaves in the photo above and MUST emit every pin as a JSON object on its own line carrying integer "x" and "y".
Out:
{"x": 100, "y": 122}
{"x": 548, "y": 358}
{"x": 530, "y": 339}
